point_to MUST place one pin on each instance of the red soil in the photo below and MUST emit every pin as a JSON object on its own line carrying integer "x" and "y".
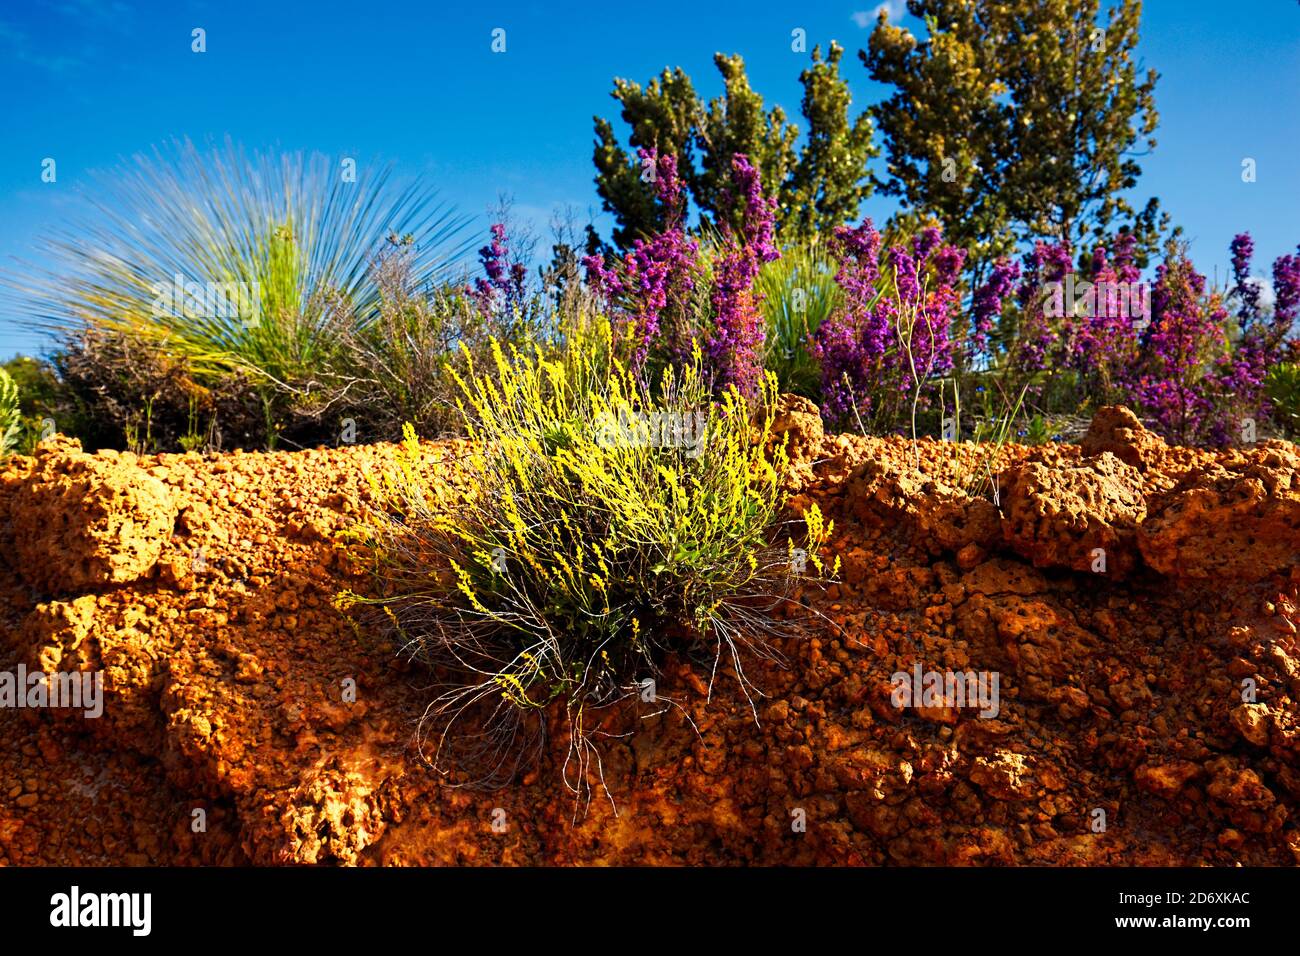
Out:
{"x": 202, "y": 587}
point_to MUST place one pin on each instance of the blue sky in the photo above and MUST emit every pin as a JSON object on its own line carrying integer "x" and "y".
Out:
{"x": 417, "y": 84}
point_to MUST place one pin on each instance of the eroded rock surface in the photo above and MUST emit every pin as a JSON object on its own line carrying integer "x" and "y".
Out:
{"x": 1168, "y": 697}
{"x": 1115, "y": 429}
{"x": 1237, "y": 518}
{"x": 85, "y": 521}
{"x": 1082, "y": 517}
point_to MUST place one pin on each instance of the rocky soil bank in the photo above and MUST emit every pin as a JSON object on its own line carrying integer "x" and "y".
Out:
{"x": 1138, "y": 602}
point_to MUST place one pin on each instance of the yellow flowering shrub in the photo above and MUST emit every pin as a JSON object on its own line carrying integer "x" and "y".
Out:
{"x": 597, "y": 525}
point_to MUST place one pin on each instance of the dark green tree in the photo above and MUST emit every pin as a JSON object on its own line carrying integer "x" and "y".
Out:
{"x": 818, "y": 186}
{"x": 663, "y": 116}
{"x": 1014, "y": 120}
{"x": 737, "y": 122}
{"x": 830, "y": 181}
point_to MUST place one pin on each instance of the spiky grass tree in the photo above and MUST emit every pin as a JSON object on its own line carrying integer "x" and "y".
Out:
{"x": 268, "y": 248}
{"x": 798, "y": 293}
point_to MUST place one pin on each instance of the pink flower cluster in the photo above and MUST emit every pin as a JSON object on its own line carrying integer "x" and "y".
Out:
{"x": 891, "y": 334}
{"x": 989, "y": 300}
{"x": 651, "y": 287}
{"x": 1169, "y": 352}
{"x": 504, "y": 284}
{"x": 1168, "y": 348}
{"x": 734, "y": 345}
{"x": 1037, "y": 336}
{"x": 1180, "y": 357}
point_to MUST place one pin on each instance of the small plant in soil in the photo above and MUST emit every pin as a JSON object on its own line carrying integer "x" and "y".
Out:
{"x": 594, "y": 526}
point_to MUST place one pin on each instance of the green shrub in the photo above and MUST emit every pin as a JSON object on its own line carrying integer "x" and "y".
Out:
{"x": 1283, "y": 389}
{"x": 130, "y": 394}
{"x": 396, "y": 365}
{"x": 10, "y": 415}
{"x": 799, "y": 292}
{"x": 271, "y": 244}
{"x": 580, "y": 543}
{"x": 975, "y": 465}
{"x": 45, "y": 404}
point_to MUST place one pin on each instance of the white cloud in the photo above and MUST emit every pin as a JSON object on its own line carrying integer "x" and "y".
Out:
{"x": 1267, "y": 298}
{"x": 866, "y": 18}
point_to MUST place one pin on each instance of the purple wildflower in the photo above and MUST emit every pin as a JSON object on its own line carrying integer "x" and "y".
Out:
{"x": 735, "y": 344}
{"x": 503, "y": 278}
{"x": 1243, "y": 247}
{"x": 986, "y": 304}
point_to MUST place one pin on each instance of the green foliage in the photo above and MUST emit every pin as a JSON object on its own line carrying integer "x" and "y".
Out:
{"x": 122, "y": 392}
{"x": 396, "y": 367}
{"x": 38, "y": 385}
{"x": 45, "y": 405}
{"x": 976, "y": 463}
{"x": 798, "y": 293}
{"x": 662, "y": 117}
{"x": 195, "y": 439}
{"x": 268, "y": 246}
{"x": 1037, "y": 431}
{"x": 1283, "y": 389}
{"x": 10, "y": 414}
{"x": 577, "y": 544}
{"x": 1014, "y": 120}
{"x": 829, "y": 183}
{"x": 737, "y": 122}
{"x": 819, "y": 187}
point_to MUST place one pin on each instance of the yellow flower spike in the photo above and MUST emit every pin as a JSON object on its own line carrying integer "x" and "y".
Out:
{"x": 465, "y": 586}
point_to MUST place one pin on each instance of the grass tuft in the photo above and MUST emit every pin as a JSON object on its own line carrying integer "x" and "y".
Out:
{"x": 596, "y": 527}
{"x": 265, "y": 245}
